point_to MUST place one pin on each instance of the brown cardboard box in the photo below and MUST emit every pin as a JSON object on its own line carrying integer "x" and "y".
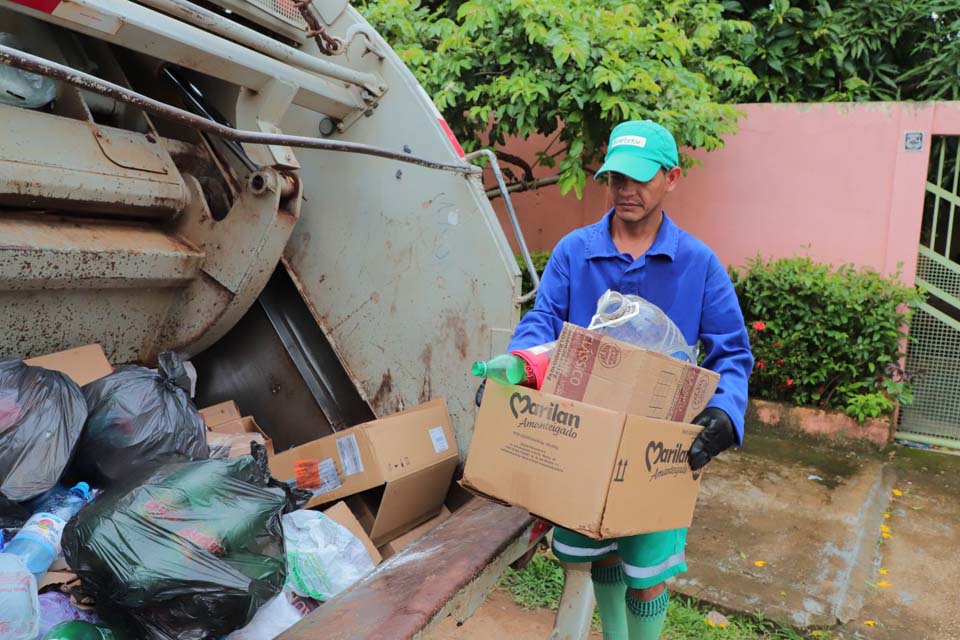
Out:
{"x": 600, "y": 472}
{"x": 398, "y": 544}
{"x": 592, "y": 368}
{"x": 220, "y": 413}
{"x": 412, "y": 454}
{"x": 237, "y": 434}
{"x": 341, "y": 514}
{"x": 83, "y": 364}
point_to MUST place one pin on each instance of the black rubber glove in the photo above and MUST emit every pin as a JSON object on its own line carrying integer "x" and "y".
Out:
{"x": 716, "y": 436}
{"x": 483, "y": 385}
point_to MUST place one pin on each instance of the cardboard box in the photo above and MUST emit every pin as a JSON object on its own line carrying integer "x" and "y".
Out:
{"x": 341, "y": 514}
{"x": 220, "y": 413}
{"x": 593, "y": 368}
{"x": 83, "y": 364}
{"x": 237, "y": 434}
{"x": 399, "y": 544}
{"x": 412, "y": 454}
{"x": 600, "y": 472}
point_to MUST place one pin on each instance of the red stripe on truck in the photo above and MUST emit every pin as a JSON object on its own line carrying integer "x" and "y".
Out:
{"x": 47, "y": 6}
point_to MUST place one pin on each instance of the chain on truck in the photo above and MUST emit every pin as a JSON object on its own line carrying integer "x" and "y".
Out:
{"x": 262, "y": 186}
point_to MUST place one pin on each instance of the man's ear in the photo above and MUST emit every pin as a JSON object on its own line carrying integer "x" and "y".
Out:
{"x": 673, "y": 178}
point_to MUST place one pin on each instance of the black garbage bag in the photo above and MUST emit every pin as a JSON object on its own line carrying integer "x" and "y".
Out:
{"x": 41, "y": 416}
{"x": 182, "y": 551}
{"x": 12, "y": 518}
{"x": 139, "y": 417}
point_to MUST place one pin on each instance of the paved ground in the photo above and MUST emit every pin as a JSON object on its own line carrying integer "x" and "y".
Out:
{"x": 810, "y": 514}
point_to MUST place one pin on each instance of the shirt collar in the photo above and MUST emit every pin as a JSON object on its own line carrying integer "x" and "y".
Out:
{"x": 600, "y": 242}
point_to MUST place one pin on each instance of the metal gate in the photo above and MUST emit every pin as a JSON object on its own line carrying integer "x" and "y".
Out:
{"x": 934, "y": 416}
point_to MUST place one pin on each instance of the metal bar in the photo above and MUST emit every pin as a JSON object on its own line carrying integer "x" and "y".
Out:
{"x": 44, "y": 67}
{"x": 534, "y": 276}
{"x": 936, "y": 441}
{"x": 953, "y": 202}
{"x": 926, "y": 252}
{"x": 941, "y": 316}
{"x": 947, "y": 297}
{"x": 575, "y": 613}
{"x": 210, "y": 21}
{"x": 943, "y": 194}
{"x": 936, "y": 191}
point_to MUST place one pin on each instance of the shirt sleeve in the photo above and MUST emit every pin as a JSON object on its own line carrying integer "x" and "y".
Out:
{"x": 726, "y": 345}
{"x": 551, "y": 309}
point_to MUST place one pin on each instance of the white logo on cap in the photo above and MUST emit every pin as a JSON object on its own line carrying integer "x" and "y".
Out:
{"x": 630, "y": 141}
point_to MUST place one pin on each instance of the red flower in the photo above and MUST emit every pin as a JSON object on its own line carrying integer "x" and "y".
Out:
{"x": 820, "y": 389}
{"x": 778, "y": 344}
{"x": 759, "y": 325}
{"x": 789, "y": 382}
{"x": 761, "y": 365}
{"x": 780, "y": 363}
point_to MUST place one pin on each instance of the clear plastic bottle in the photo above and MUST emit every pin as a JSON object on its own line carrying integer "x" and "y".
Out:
{"x": 19, "y": 606}
{"x": 80, "y": 630}
{"x": 38, "y": 542}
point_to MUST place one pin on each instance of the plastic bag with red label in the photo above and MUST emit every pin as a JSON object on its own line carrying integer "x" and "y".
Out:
{"x": 183, "y": 551}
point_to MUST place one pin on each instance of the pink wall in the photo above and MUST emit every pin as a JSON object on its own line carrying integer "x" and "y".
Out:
{"x": 830, "y": 180}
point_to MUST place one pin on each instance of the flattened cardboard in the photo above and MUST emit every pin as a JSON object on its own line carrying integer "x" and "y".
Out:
{"x": 413, "y": 453}
{"x": 593, "y": 368}
{"x": 341, "y": 514}
{"x": 399, "y": 544}
{"x": 220, "y": 413}
{"x": 83, "y": 364}
{"x": 581, "y": 466}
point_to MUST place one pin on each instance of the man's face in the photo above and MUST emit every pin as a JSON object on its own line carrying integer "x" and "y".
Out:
{"x": 635, "y": 201}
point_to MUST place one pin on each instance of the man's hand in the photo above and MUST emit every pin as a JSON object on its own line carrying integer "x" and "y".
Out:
{"x": 716, "y": 436}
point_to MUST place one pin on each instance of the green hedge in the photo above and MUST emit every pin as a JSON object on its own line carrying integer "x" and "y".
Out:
{"x": 826, "y": 337}
{"x": 821, "y": 336}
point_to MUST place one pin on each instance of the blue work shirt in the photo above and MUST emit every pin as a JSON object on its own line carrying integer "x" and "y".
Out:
{"x": 678, "y": 273}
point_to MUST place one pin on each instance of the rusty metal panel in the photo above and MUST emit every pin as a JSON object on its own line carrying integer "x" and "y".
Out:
{"x": 49, "y": 161}
{"x": 437, "y": 575}
{"x": 406, "y": 269}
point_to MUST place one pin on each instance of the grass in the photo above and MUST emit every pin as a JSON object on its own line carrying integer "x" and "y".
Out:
{"x": 540, "y": 584}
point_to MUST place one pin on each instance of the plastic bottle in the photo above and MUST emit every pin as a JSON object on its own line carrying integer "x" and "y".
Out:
{"x": 80, "y": 630}
{"x": 38, "y": 542}
{"x": 19, "y": 606}
{"x": 505, "y": 368}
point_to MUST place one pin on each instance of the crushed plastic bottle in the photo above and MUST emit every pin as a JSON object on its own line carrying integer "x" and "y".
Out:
{"x": 19, "y": 606}
{"x": 22, "y": 88}
{"x": 38, "y": 542}
{"x": 631, "y": 319}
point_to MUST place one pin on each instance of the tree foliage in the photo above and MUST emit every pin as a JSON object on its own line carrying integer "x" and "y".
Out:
{"x": 847, "y": 50}
{"x": 504, "y": 68}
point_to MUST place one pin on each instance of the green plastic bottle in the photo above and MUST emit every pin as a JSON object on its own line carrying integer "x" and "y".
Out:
{"x": 505, "y": 369}
{"x": 80, "y": 630}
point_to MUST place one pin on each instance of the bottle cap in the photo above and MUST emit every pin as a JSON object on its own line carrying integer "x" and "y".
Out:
{"x": 84, "y": 489}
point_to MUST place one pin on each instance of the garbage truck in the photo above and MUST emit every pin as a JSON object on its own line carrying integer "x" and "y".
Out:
{"x": 263, "y": 187}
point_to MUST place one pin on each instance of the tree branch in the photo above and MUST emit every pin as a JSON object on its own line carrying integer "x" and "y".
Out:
{"x": 525, "y": 186}
{"x": 518, "y": 161}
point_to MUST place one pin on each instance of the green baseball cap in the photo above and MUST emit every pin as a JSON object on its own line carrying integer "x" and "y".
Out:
{"x": 638, "y": 149}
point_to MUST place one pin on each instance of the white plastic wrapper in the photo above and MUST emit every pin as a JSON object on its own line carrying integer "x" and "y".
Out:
{"x": 19, "y": 607}
{"x": 22, "y": 88}
{"x": 271, "y": 620}
{"x": 323, "y": 557}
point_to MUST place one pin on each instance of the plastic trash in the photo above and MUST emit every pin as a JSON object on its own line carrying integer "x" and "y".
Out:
{"x": 56, "y": 608}
{"x": 22, "y": 88}
{"x": 38, "y": 542}
{"x": 139, "y": 417}
{"x": 271, "y": 620}
{"x": 12, "y": 518}
{"x": 41, "y": 417}
{"x": 81, "y": 630}
{"x": 323, "y": 557}
{"x": 631, "y": 319}
{"x": 19, "y": 608}
{"x": 184, "y": 551}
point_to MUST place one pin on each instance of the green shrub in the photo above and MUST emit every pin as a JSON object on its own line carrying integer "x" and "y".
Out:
{"x": 539, "y": 263}
{"x": 824, "y": 336}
